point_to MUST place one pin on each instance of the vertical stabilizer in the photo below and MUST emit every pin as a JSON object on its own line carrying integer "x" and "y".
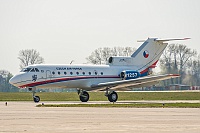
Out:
{"x": 148, "y": 54}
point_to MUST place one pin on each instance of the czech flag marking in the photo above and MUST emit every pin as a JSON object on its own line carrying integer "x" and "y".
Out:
{"x": 146, "y": 54}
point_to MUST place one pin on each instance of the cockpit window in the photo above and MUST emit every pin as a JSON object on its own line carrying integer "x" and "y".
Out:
{"x": 32, "y": 70}
{"x": 36, "y": 70}
{"x": 26, "y": 69}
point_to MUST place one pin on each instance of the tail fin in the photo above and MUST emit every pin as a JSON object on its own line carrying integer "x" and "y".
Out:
{"x": 148, "y": 54}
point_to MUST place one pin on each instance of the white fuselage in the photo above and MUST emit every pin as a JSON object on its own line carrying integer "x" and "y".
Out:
{"x": 68, "y": 76}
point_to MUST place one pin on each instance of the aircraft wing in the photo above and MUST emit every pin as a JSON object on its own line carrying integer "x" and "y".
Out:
{"x": 139, "y": 82}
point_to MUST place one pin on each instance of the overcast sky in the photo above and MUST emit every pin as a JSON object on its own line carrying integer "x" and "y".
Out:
{"x": 65, "y": 30}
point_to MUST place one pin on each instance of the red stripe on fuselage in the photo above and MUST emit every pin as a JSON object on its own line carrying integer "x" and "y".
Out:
{"x": 63, "y": 79}
{"x": 152, "y": 66}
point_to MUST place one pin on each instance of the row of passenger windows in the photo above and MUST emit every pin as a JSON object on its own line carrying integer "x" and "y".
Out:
{"x": 77, "y": 73}
{"x": 65, "y": 73}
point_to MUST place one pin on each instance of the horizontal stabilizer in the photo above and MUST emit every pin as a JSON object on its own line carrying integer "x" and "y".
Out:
{"x": 168, "y": 39}
{"x": 171, "y": 39}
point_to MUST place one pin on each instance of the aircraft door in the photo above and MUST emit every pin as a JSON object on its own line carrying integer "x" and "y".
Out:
{"x": 48, "y": 75}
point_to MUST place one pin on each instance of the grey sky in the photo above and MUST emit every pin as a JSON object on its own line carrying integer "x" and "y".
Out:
{"x": 65, "y": 30}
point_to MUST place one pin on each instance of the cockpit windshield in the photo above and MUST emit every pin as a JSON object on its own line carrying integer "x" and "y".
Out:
{"x": 26, "y": 69}
{"x": 29, "y": 69}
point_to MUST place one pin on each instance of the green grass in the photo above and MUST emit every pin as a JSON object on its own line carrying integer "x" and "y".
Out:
{"x": 99, "y": 96}
{"x": 134, "y": 105}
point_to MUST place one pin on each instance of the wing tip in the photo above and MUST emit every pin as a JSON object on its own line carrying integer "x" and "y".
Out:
{"x": 186, "y": 38}
{"x": 174, "y": 75}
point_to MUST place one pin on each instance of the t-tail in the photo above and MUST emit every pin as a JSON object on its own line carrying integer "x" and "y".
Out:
{"x": 148, "y": 54}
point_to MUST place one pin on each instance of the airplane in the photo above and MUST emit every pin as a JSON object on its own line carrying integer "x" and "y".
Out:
{"x": 120, "y": 73}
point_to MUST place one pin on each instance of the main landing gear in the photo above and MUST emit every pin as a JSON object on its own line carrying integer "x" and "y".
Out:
{"x": 112, "y": 95}
{"x": 36, "y": 99}
{"x": 84, "y": 96}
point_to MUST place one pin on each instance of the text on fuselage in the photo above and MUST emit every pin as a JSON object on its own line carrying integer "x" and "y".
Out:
{"x": 68, "y": 68}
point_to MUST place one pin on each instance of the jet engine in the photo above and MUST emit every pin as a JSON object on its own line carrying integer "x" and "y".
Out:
{"x": 129, "y": 74}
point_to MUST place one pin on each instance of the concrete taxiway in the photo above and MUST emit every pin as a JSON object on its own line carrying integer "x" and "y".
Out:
{"x": 25, "y": 117}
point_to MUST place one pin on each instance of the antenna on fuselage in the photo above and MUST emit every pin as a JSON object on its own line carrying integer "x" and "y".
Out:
{"x": 71, "y": 62}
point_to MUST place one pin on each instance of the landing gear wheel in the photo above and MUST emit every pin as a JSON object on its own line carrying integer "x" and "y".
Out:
{"x": 36, "y": 99}
{"x": 112, "y": 97}
{"x": 84, "y": 97}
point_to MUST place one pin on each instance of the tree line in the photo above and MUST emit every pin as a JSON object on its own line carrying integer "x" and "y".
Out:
{"x": 176, "y": 59}
{"x": 179, "y": 59}
{"x": 101, "y": 55}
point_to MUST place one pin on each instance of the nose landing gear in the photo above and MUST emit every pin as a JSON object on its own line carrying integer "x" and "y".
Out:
{"x": 36, "y": 99}
{"x": 83, "y": 95}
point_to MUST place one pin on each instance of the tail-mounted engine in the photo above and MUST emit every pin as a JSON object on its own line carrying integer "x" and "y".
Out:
{"x": 129, "y": 74}
{"x": 120, "y": 61}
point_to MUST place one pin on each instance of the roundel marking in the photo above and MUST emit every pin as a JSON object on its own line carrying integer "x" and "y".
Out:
{"x": 146, "y": 54}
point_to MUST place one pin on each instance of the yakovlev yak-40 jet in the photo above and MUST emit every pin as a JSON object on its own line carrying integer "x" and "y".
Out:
{"x": 120, "y": 73}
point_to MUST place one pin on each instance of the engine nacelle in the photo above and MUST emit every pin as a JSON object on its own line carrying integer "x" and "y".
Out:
{"x": 120, "y": 61}
{"x": 129, "y": 74}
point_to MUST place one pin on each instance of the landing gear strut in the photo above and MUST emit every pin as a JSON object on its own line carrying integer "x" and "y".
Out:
{"x": 83, "y": 95}
{"x": 36, "y": 99}
{"x": 112, "y": 95}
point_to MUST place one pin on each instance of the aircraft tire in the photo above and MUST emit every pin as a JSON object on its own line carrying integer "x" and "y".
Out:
{"x": 84, "y": 97}
{"x": 112, "y": 97}
{"x": 36, "y": 99}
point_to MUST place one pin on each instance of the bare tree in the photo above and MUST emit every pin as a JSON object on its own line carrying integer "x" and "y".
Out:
{"x": 29, "y": 57}
{"x": 194, "y": 72}
{"x": 167, "y": 62}
{"x": 101, "y": 55}
{"x": 175, "y": 60}
{"x": 183, "y": 56}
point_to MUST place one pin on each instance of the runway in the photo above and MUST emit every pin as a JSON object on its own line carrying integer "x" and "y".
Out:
{"x": 123, "y": 102}
{"x": 25, "y": 117}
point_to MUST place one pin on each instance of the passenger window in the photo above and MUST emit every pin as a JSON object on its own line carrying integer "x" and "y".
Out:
{"x": 32, "y": 70}
{"x": 36, "y": 70}
{"x": 83, "y": 73}
{"x": 89, "y": 73}
{"x": 95, "y": 73}
{"x": 53, "y": 73}
{"x": 101, "y": 73}
{"x": 58, "y": 73}
{"x": 77, "y": 73}
{"x": 71, "y": 73}
{"x": 65, "y": 73}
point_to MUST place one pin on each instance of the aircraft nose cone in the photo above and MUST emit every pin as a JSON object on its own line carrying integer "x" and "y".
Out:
{"x": 15, "y": 80}
{"x": 12, "y": 80}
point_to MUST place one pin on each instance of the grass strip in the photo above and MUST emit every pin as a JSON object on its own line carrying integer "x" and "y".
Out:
{"x": 99, "y": 96}
{"x": 134, "y": 105}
